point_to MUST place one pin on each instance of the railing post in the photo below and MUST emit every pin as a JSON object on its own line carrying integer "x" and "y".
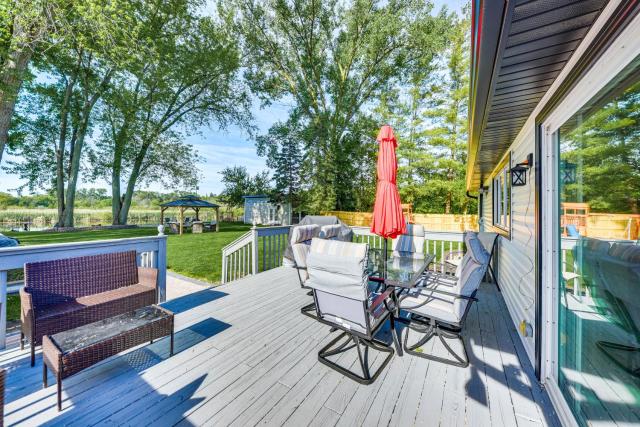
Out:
{"x": 162, "y": 267}
{"x": 224, "y": 267}
{"x": 254, "y": 249}
{"x": 3, "y": 309}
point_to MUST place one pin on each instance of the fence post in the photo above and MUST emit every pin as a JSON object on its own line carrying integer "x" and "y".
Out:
{"x": 254, "y": 249}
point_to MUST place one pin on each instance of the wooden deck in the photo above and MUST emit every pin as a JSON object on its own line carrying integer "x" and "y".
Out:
{"x": 246, "y": 356}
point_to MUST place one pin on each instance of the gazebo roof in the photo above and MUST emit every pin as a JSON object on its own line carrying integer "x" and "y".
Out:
{"x": 189, "y": 202}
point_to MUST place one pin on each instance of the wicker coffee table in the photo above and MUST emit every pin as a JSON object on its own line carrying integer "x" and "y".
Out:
{"x": 69, "y": 352}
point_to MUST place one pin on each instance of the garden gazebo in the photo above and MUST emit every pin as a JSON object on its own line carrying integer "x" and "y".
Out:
{"x": 190, "y": 202}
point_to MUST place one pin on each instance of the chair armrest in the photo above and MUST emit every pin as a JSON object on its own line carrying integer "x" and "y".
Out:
{"x": 26, "y": 307}
{"x": 452, "y": 294}
{"x": 380, "y": 299}
{"x": 148, "y": 277}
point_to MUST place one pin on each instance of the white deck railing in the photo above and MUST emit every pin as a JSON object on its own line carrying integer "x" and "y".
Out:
{"x": 152, "y": 252}
{"x": 262, "y": 249}
{"x": 258, "y": 250}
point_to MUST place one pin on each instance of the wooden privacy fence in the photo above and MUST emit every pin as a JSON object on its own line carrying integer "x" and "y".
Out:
{"x": 439, "y": 222}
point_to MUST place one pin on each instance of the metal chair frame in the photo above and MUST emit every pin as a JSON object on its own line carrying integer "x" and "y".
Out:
{"x": 361, "y": 341}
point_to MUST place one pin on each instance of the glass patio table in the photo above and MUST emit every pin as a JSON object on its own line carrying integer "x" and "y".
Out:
{"x": 400, "y": 272}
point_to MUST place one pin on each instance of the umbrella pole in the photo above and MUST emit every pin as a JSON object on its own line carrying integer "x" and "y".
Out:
{"x": 385, "y": 254}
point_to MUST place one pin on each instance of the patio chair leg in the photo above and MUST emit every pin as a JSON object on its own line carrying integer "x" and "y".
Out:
{"x": 493, "y": 277}
{"x": 309, "y": 310}
{"x": 44, "y": 375}
{"x": 21, "y": 340}
{"x": 350, "y": 342}
{"x": 430, "y": 330}
{"x": 33, "y": 354}
{"x": 59, "y": 385}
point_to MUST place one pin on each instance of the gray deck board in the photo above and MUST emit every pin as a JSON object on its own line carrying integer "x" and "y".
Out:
{"x": 246, "y": 356}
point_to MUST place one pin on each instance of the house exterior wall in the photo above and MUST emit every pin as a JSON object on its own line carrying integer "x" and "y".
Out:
{"x": 515, "y": 255}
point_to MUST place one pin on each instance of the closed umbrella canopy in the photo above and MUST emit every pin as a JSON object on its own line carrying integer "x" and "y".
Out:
{"x": 388, "y": 221}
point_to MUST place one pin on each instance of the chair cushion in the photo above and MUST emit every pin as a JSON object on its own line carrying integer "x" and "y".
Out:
{"x": 437, "y": 306}
{"x": 475, "y": 248}
{"x": 304, "y": 233}
{"x": 91, "y": 308}
{"x": 338, "y": 268}
{"x": 330, "y": 232}
{"x": 410, "y": 242}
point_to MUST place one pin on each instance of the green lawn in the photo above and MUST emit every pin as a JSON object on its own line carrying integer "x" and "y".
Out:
{"x": 194, "y": 255}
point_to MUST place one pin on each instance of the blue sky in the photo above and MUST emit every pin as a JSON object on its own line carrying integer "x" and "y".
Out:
{"x": 219, "y": 148}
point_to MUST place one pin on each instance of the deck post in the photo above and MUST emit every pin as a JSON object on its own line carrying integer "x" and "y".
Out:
{"x": 161, "y": 261}
{"x": 3, "y": 309}
{"x": 254, "y": 249}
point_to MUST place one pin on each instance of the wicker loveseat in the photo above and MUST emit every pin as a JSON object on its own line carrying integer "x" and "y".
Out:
{"x": 64, "y": 294}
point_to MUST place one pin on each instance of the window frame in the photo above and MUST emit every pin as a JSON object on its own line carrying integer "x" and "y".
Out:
{"x": 501, "y": 197}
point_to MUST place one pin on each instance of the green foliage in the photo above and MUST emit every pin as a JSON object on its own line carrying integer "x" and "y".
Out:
{"x": 238, "y": 182}
{"x": 334, "y": 61}
{"x": 430, "y": 118}
{"x": 604, "y": 144}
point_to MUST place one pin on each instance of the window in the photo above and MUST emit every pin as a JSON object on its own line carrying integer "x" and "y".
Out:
{"x": 502, "y": 198}
{"x": 598, "y": 166}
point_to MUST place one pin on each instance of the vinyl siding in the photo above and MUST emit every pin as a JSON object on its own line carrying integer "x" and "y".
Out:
{"x": 515, "y": 257}
{"x": 515, "y": 264}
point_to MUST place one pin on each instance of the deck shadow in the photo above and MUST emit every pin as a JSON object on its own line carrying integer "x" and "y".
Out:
{"x": 187, "y": 302}
{"x": 135, "y": 361}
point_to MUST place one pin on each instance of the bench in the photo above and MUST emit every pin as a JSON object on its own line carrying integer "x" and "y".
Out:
{"x": 64, "y": 294}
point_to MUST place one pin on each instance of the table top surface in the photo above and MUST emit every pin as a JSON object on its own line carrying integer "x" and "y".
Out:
{"x": 400, "y": 270}
{"x": 85, "y": 336}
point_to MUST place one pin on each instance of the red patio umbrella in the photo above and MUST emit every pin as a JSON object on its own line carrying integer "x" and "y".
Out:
{"x": 388, "y": 221}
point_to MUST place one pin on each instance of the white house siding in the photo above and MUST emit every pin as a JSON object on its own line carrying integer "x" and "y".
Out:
{"x": 516, "y": 257}
{"x": 515, "y": 264}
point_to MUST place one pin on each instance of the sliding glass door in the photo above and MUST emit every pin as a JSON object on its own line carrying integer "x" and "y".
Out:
{"x": 598, "y": 224}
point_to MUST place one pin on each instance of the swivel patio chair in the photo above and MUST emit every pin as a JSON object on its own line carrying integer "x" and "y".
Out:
{"x": 301, "y": 236}
{"x": 439, "y": 307}
{"x": 619, "y": 275}
{"x": 410, "y": 244}
{"x": 345, "y": 300}
{"x": 453, "y": 259}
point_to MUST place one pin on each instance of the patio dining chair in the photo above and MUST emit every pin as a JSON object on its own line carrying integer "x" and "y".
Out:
{"x": 330, "y": 232}
{"x": 345, "y": 300}
{"x": 453, "y": 259}
{"x": 410, "y": 244}
{"x": 439, "y": 307}
{"x": 301, "y": 236}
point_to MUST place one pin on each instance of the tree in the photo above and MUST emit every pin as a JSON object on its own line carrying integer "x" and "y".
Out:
{"x": 25, "y": 26}
{"x": 430, "y": 118}
{"x": 282, "y": 146}
{"x": 603, "y": 143}
{"x": 334, "y": 60}
{"x": 184, "y": 79}
{"x": 238, "y": 182}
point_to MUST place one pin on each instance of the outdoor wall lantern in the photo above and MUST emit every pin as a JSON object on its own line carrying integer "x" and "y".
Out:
{"x": 568, "y": 172}
{"x": 519, "y": 172}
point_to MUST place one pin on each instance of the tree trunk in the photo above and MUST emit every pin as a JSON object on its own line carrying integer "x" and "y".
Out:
{"x": 116, "y": 198}
{"x": 62, "y": 140}
{"x": 74, "y": 171}
{"x": 10, "y": 82}
{"x": 131, "y": 184}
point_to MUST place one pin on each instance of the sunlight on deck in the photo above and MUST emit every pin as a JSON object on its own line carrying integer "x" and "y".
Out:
{"x": 245, "y": 355}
